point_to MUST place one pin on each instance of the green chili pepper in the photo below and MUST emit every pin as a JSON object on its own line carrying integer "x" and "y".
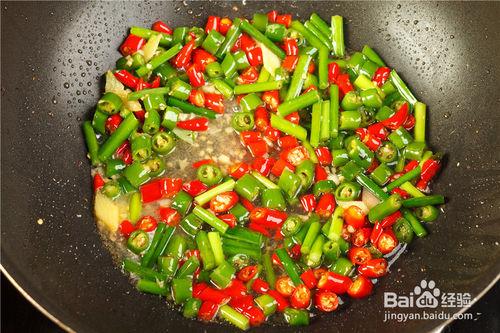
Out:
{"x": 213, "y": 42}
{"x": 250, "y": 102}
{"x": 91, "y": 141}
{"x": 111, "y": 189}
{"x": 165, "y": 72}
{"x": 323, "y": 186}
{"x": 295, "y": 317}
{"x": 291, "y": 226}
{"x": 222, "y": 275}
{"x": 234, "y": 317}
{"x": 348, "y": 191}
{"x": 209, "y": 174}
{"x": 158, "y": 60}
{"x": 305, "y": 171}
{"x": 241, "y": 60}
{"x": 403, "y": 231}
{"x": 191, "y": 224}
{"x": 350, "y": 120}
{"x": 231, "y": 37}
{"x": 350, "y": 170}
{"x": 180, "y": 90}
{"x": 240, "y": 212}
{"x": 290, "y": 183}
{"x": 427, "y": 213}
{"x": 170, "y": 117}
{"x": 137, "y": 174}
{"x": 191, "y": 308}
{"x": 387, "y": 152}
{"x": 248, "y": 187}
{"x": 182, "y": 290}
{"x": 273, "y": 198}
{"x": 127, "y": 126}
{"x": 423, "y": 201}
{"x": 163, "y": 143}
{"x": 289, "y": 266}
{"x": 359, "y": 152}
{"x": 182, "y": 202}
{"x": 168, "y": 265}
{"x": 414, "y": 150}
{"x": 110, "y": 103}
{"x": 99, "y": 122}
{"x": 190, "y": 108}
{"x": 197, "y": 33}
{"x": 214, "y": 69}
{"x": 331, "y": 252}
{"x": 188, "y": 268}
{"x": 126, "y": 186}
{"x": 156, "y": 166}
{"x": 340, "y": 157}
{"x": 342, "y": 266}
{"x": 381, "y": 174}
{"x": 242, "y": 121}
{"x": 206, "y": 253}
{"x": 275, "y": 32}
{"x": 141, "y": 147}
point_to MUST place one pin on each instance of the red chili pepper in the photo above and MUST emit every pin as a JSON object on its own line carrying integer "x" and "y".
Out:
{"x": 310, "y": 70}
{"x": 376, "y": 232}
{"x": 214, "y": 102}
{"x": 290, "y": 62}
{"x": 276, "y": 260}
{"x": 198, "y": 124}
{"x": 249, "y": 75}
{"x": 320, "y": 173}
{"x": 260, "y": 286}
{"x": 284, "y": 286}
{"x": 113, "y": 122}
{"x": 195, "y": 76}
{"x": 334, "y": 282}
{"x": 126, "y": 78}
{"x": 223, "y": 202}
{"x": 259, "y": 228}
{"x": 271, "y": 16}
{"x": 131, "y": 44}
{"x": 272, "y": 134}
{"x": 258, "y": 148}
{"x": 247, "y": 204}
{"x": 290, "y": 46}
{"x": 197, "y": 98}
{"x": 402, "y": 193}
{"x": 409, "y": 123}
{"x": 429, "y": 169}
{"x": 254, "y": 314}
{"x": 373, "y": 166}
{"x": 237, "y": 45}
{"x": 297, "y": 155}
{"x": 261, "y": 117}
{"x": 279, "y": 166}
{"x": 247, "y": 273}
{"x": 301, "y": 297}
{"x": 224, "y": 25}
{"x": 361, "y": 236}
{"x": 147, "y": 223}
{"x": 410, "y": 166}
{"x": 263, "y": 165}
{"x": 212, "y": 295}
{"x": 98, "y": 182}
{"x": 184, "y": 56}
{"x": 390, "y": 220}
{"x": 269, "y": 218}
{"x": 250, "y": 136}
{"x": 141, "y": 84}
{"x": 285, "y": 19}
{"x": 359, "y": 255}
{"x": 213, "y": 23}
{"x": 360, "y": 288}
{"x": 378, "y": 130}
{"x": 397, "y": 119}
{"x": 387, "y": 242}
{"x": 169, "y": 215}
{"x": 235, "y": 289}
{"x": 207, "y": 311}
{"x": 308, "y": 202}
{"x": 156, "y": 82}
{"x": 254, "y": 56}
{"x": 246, "y": 42}
{"x": 170, "y": 186}
{"x": 333, "y": 72}
{"x": 198, "y": 288}
{"x": 293, "y": 117}
{"x": 282, "y": 301}
{"x": 294, "y": 251}
{"x": 238, "y": 170}
{"x": 309, "y": 279}
{"x": 126, "y": 228}
{"x": 151, "y": 191}
{"x": 194, "y": 187}
{"x": 372, "y": 142}
{"x": 318, "y": 272}
{"x": 324, "y": 155}
{"x": 140, "y": 115}
{"x": 162, "y": 27}
{"x": 199, "y": 163}
{"x": 326, "y": 301}
{"x": 381, "y": 75}
{"x": 272, "y": 99}
{"x": 374, "y": 268}
{"x": 344, "y": 83}
{"x": 326, "y": 205}
{"x": 229, "y": 219}
{"x": 242, "y": 302}
{"x": 202, "y": 58}
{"x": 354, "y": 217}
{"x": 286, "y": 142}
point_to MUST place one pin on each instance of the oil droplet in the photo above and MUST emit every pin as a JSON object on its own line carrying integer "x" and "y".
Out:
{"x": 54, "y": 100}
{"x": 447, "y": 115}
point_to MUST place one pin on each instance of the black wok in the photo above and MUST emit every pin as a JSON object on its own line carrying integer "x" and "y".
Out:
{"x": 53, "y": 54}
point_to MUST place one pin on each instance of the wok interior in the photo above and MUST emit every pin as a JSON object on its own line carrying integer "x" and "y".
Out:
{"x": 53, "y": 55}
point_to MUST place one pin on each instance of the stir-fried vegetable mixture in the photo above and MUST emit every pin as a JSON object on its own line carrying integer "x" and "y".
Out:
{"x": 338, "y": 181}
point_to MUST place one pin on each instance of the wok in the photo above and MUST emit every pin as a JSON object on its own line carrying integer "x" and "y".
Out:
{"x": 53, "y": 54}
